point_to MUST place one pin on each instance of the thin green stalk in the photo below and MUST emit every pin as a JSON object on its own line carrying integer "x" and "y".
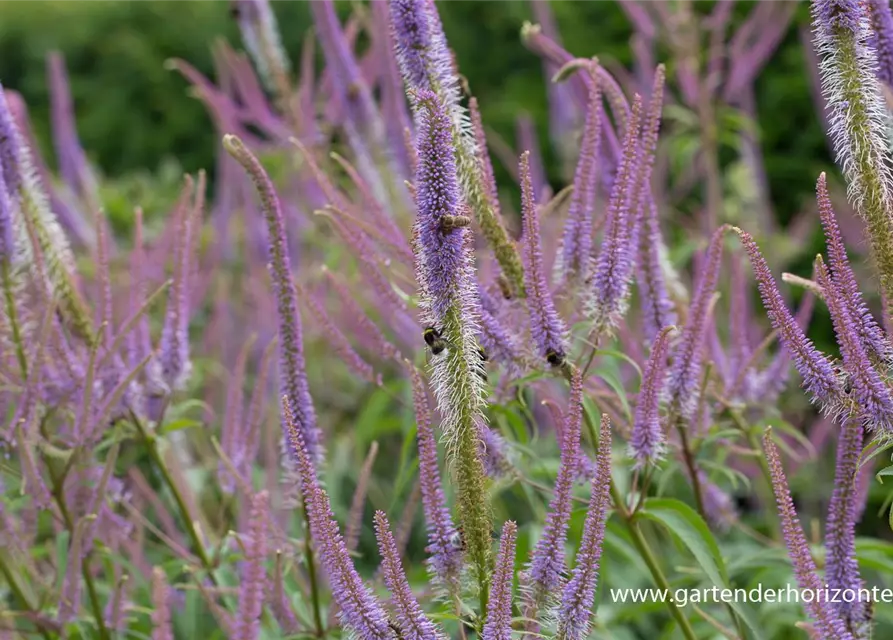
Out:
{"x": 59, "y": 497}
{"x": 314, "y": 584}
{"x": 18, "y": 593}
{"x": 691, "y": 466}
{"x": 644, "y": 550}
{"x": 155, "y": 455}
{"x": 13, "y": 318}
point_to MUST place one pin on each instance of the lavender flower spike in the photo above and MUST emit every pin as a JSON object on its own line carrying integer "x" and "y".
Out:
{"x": 292, "y": 374}
{"x": 827, "y": 621}
{"x": 411, "y": 620}
{"x": 576, "y": 601}
{"x": 446, "y": 557}
{"x": 647, "y": 444}
{"x": 427, "y": 66}
{"x": 359, "y": 610}
{"x": 161, "y": 607}
{"x": 816, "y": 370}
{"x": 450, "y": 307}
{"x": 31, "y": 201}
{"x": 870, "y": 334}
{"x": 857, "y": 117}
{"x": 685, "y": 373}
{"x": 499, "y": 610}
{"x": 841, "y": 568}
{"x": 873, "y": 400}
{"x": 548, "y": 329}
{"x": 254, "y": 576}
{"x": 547, "y": 563}
{"x": 576, "y": 243}
{"x": 881, "y": 39}
{"x": 613, "y": 267}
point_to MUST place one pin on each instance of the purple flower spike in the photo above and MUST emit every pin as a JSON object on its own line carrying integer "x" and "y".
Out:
{"x": 870, "y": 334}
{"x": 829, "y": 15}
{"x": 827, "y": 621}
{"x": 254, "y": 576}
{"x": 547, "y": 563}
{"x": 616, "y": 259}
{"x": 499, "y": 610}
{"x": 816, "y": 370}
{"x": 7, "y": 233}
{"x": 172, "y": 368}
{"x": 441, "y": 236}
{"x": 292, "y": 374}
{"x": 647, "y": 441}
{"x": 841, "y": 568}
{"x": 684, "y": 379}
{"x": 73, "y": 166}
{"x": 548, "y": 329}
{"x": 575, "y": 611}
{"x": 421, "y": 47}
{"x": 161, "y": 607}
{"x": 872, "y": 398}
{"x": 881, "y": 39}
{"x": 576, "y": 243}
{"x": 359, "y": 610}
{"x": 446, "y": 556}
{"x": 411, "y": 620}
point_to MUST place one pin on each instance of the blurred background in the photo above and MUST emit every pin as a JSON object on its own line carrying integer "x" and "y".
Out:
{"x": 140, "y": 126}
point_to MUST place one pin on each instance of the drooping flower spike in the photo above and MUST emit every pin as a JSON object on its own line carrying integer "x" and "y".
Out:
{"x": 292, "y": 374}
{"x": 817, "y": 372}
{"x": 872, "y": 400}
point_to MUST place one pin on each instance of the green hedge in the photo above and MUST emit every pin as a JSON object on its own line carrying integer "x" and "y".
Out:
{"x": 133, "y": 113}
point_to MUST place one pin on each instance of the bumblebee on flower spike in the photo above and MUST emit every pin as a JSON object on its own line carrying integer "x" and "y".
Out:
{"x": 435, "y": 340}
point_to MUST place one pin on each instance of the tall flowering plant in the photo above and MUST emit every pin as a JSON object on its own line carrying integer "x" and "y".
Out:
{"x": 164, "y": 479}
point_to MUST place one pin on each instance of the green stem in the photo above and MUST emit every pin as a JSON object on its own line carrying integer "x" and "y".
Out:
{"x": 155, "y": 455}
{"x": 691, "y": 466}
{"x": 311, "y": 575}
{"x": 59, "y": 496}
{"x": 13, "y": 318}
{"x": 18, "y": 593}
{"x": 644, "y": 550}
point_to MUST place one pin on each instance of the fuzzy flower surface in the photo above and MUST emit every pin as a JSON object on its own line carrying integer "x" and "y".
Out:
{"x": 292, "y": 372}
{"x": 575, "y": 610}
{"x": 647, "y": 442}
{"x": 499, "y": 610}
{"x": 817, "y": 372}
{"x": 547, "y": 328}
{"x": 359, "y": 610}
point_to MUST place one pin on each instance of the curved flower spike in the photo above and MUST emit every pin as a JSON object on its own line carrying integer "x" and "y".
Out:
{"x": 292, "y": 374}
{"x": 816, "y": 370}
{"x": 873, "y": 400}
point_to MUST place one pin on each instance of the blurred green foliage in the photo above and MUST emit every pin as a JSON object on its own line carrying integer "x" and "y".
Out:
{"x": 133, "y": 113}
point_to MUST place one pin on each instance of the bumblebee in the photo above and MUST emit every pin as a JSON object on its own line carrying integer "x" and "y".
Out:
{"x": 483, "y": 370}
{"x": 395, "y": 629}
{"x": 554, "y": 358}
{"x": 434, "y": 339}
{"x": 457, "y": 540}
